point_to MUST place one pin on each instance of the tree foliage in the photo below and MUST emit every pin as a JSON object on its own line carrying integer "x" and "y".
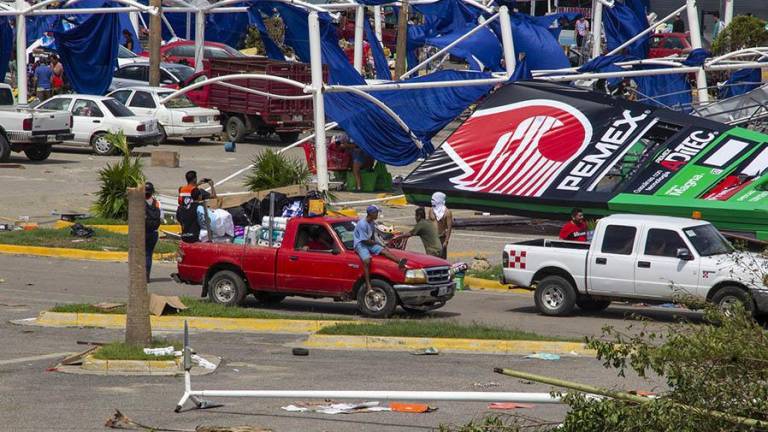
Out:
{"x": 275, "y": 29}
{"x": 111, "y": 200}
{"x": 743, "y": 32}
{"x": 272, "y": 170}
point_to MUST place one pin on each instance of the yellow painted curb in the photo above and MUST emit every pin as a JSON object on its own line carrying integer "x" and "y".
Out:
{"x": 138, "y": 366}
{"x": 61, "y": 319}
{"x": 75, "y": 254}
{"x": 485, "y": 284}
{"x": 379, "y": 343}
{"x": 119, "y": 229}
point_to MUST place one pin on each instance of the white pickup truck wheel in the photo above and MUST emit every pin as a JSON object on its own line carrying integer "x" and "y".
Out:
{"x": 555, "y": 296}
{"x": 728, "y": 296}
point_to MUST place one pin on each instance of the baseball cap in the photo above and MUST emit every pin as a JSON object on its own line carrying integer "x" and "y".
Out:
{"x": 149, "y": 188}
{"x": 372, "y": 209}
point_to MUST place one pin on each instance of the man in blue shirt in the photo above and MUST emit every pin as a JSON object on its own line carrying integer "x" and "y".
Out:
{"x": 43, "y": 77}
{"x": 366, "y": 246}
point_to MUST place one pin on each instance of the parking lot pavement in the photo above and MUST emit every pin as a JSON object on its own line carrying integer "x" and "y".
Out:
{"x": 35, "y": 400}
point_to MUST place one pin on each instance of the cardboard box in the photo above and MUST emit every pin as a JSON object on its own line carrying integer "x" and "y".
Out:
{"x": 158, "y": 304}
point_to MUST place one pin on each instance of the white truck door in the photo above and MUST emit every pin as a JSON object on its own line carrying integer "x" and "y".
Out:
{"x": 611, "y": 261}
{"x": 659, "y": 272}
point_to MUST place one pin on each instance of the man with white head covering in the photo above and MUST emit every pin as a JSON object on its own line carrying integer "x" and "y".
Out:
{"x": 442, "y": 216}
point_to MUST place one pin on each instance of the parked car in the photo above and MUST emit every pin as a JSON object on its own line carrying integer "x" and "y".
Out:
{"x": 177, "y": 118}
{"x": 95, "y": 116}
{"x": 229, "y": 272}
{"x": 652, "y": 259}
{"x": 125, "y": 56}
{"x": 184, "y": 51}
{"x": 30, "y": 131}
{"x": 668, "y": 44}
{"x": 136, "y": 73}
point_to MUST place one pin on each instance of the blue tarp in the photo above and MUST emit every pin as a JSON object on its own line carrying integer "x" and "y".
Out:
{"x": 481, "y": 51}
{"x": 671, "y": 91}
{"x": 89, "y": 53}
{"x": 548, "y": 20}
{"x": 273, "y": 51}
{"x": 542, "y": 51}
{"x": 425, "y": 111}
{"x": 740, "y": 82}
{"x": 605, "y": 64}
{"x": 622, "y": 22}
{"x": 226, "y": 28}
{"x": 379, "y": 59}
{"x": 6, "y": 45}
{"x": 696, "y": 57}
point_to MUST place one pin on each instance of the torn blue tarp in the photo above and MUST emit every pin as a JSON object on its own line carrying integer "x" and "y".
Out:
{"x": 6, "y": 45}
{"x": 542, "y": 51}
{"x": 740, "y": 82}
{"x": 624, "y": 21}
{"x": 227, "y": 28}
{"x": 380, "y": 62}
{"x": 549, "y": 20}
{"x": 606, "y": 64}
{"x": 425, "y": 111}
{"x": 273, "y": 51}
{"x": 481, "y": 51}
{"x": 696, "y": 57}
{"x": 669, "y": 91}
{"x": 89, "y": 53}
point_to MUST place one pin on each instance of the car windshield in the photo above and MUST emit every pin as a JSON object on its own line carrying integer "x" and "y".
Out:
{"x": 346, "y": 231}
{"x": 123, "y": 52}
{"x": 116, "y": 108}
{"x": 181, "y": 72}
{"x": 177, "y": 102}
{"x": 707, "y": 240}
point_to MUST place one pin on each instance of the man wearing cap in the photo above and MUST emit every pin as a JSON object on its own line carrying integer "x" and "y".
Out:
{"x": 153, "y": 216}
{"x": 366, "y": 246}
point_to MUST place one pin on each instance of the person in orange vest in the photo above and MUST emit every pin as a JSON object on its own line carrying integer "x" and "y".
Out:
{"x": 185, "y": 192}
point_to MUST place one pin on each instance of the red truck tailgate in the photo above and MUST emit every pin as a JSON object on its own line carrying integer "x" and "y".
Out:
{"x": 199, "y": 258}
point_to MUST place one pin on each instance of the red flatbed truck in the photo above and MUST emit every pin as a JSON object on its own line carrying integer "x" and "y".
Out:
{"x": 229, "y": 272}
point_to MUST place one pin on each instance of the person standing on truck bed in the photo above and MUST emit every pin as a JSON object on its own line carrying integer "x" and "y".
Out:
{"x": 427, "y": 231}
{"x": 576, "y": 228}
{"x": 185, "y": 192}
{"x": 443, "y": 218}
{"x": 186, "y": 214}
{"x": 366, "y": 245}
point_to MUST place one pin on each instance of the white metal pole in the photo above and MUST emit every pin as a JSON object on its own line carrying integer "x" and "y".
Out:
{"x": 507, "y": 41}
{"x": 377, "y": 23}
{"x": 695, "y": 32}
{"x": 21, "y": 53}
{"x": 597, "y": 28}
{"x": 199, "y": 39}
{"x": 358, "y": 58}
{"x": 549, "y": 6}
{"x": 189, "y": 26}
{"x": 728, "y": 11}
{"x": 533, "y": 7}
{"x": 134, "y": 16}
{"x": 386, "y": 395}
{"x": 316, "y": 65}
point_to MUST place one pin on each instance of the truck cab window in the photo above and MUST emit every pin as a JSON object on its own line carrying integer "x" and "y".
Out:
{"x": 346, "y": 231}
{"x": 312, "y": 237}
{"x": 661, "y": 242}
{"x": 618, "y": 239}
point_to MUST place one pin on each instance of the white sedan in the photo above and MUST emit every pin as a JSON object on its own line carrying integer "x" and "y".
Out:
{"x": 178, "y": 117}
{"x": 93, "y": 117}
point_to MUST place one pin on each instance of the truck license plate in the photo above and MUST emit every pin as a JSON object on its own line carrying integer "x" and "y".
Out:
{"x": 442, "y": 291}
{"x": 203, "y": 119}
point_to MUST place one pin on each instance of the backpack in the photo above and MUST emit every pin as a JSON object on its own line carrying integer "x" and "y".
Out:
{"x": 152, "y": 221}
{"x": 281, "y": 200}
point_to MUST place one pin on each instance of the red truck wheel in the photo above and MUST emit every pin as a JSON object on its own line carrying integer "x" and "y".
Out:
{"x": 379, "y": 302}
{"x": 227, "y": 288}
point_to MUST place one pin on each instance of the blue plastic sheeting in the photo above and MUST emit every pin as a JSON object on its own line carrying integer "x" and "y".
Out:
{"x": 89, "y": 53}
{"x": 425, "y": 111}
{"x": 605, "y": 64}
{"x": 542, "y": 51}
{"x": 39, "y": 25}
{"x": 741, "y": 81}
{"x": 669, "y": 91}
{"x": 379, "y": 59}
{"x": 226, "y": 28}
{"x": 481, "y": 51}
{"x": 297, "y": 37}
{"x": 447, "y": 16}
{"x": 697, "y": 57}
{"x": 548, "y": 20}
{"x": 624, "y": 21}
{"x": 6, "y": 45}
{"x": 273, "y": 51}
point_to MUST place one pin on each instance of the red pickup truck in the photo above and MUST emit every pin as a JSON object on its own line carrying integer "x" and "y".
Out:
{"x": 316, "y": 259}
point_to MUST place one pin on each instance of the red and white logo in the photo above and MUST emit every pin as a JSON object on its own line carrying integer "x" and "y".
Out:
{"x": 517, "y": 259}
{"x": 517, "y": 149}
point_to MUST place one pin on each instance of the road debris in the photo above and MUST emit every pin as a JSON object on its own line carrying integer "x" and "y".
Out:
{"x": 509, "y": 405}
{"x": 486, "y": 385}
{"x": 544, "y": 356}
{"x": 300, "y": 352}
{"x": 336, "y": 408}
{"x": 121, "y": 421}
{"x": 411, "y": 408}
{"x": 426, "y": 351}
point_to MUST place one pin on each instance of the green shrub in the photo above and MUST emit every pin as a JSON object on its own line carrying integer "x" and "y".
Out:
{"x": 111, "y": 200}
{"x": 743, "y": 32}
{"x": 273, "y": 170}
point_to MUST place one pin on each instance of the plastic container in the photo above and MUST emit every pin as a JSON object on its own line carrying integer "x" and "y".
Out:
{"x": 459, "y": 279}
{"x": 368, "y": 180}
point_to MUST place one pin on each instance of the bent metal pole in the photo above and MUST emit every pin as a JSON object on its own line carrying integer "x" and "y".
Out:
{"x": 316, "y": 66}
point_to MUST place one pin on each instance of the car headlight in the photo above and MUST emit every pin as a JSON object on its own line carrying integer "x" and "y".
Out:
{"x": 415, "y": 277}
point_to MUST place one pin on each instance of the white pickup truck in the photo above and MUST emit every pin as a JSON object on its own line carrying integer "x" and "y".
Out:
{"x": 30, "y": 131}
{"x": 653, "y": 259}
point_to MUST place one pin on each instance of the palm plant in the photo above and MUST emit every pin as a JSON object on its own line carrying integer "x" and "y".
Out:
{"x": 273, "y": 170}
{"x": 111, "y": 200}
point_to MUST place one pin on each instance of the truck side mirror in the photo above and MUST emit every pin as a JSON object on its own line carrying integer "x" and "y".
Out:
{"x": 684, "y": 254}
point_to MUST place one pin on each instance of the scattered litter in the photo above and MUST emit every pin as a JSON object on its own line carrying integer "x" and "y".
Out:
{"x": 486, "y": 385}
{"x": 106, "y": 306}
{"x": 426, "y": 351}
{"x": 236, "y": 370}
{"x": 337, "y": 408}
{"x": 410, "y": 407}
{"x": 121, "y": 421}
{"x": 300, "y": 352}
{"x": 643, "y": 393}
{"x": 671, "y": 306}
{"x": 11, "y": 165}
{"x": 30, "y": 284}
{"x": 525, "y": 382}
{"x": 2, "y": 280}
{"x": 574, "y": 353}
{"x": 165, "y": 351}
{"x": 544, "y": 356}
{"x": 78, "y": 230}
{"x": 159, "y": 305}
{"x": 508, "y": 405}
{"x": 77, "y": 359}
{"x": 203, "y": 363}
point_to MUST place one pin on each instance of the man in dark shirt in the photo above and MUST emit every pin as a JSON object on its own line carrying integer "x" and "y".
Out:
{"x": 186, "y": 215}
{"x": 576, "y": 228}
{"x": 427, "y": 231}
{"x": 678, "y": 26}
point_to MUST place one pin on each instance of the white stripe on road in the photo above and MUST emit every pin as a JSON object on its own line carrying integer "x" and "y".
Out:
{"x": 35, "y": 358}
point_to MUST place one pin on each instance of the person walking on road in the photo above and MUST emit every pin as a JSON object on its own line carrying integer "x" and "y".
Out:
{"x": 366, "y": 245}
{"x": 153, "y": 218}
{"x": 443, "y": 217}
{"x": 185, "y": 192}
{"x": 427, "y": 231}
{"x": 576, "y": 228}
